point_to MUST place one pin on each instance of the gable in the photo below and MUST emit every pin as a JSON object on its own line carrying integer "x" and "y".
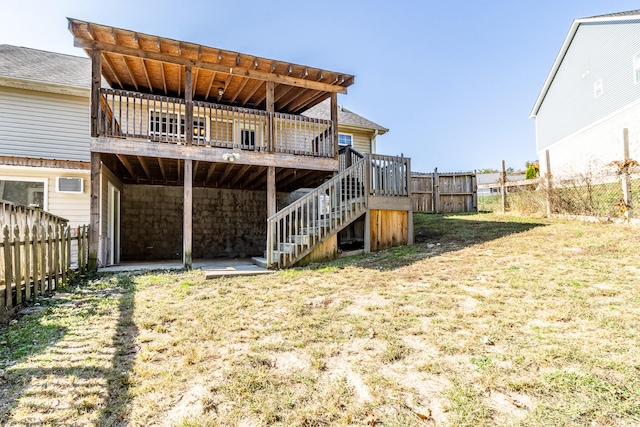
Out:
{"x": 598, "y": 55}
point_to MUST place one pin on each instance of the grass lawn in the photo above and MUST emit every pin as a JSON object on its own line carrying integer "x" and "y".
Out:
{"x": 488, "y": 320}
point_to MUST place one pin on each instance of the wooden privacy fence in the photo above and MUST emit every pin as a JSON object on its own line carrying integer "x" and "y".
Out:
{"x": 36, "y": 256}
{"x": 444, "y": 192}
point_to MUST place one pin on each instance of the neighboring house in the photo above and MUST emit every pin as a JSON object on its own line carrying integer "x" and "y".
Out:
{"x": 591, "y": 94}
{"x": 44, "y": 123}
{"x": 489, "y": 183}
{"x": 194, "y": 148}
{"x": 45, "y": 144}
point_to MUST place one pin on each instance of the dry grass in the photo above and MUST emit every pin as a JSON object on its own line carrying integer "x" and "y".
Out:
{"x": 487, "y": 321}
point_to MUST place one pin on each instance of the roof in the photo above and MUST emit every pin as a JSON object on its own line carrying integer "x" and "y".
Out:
{"x": 609, "y": 18}
{"x": 22, "y": 63}
{"x": 345, "y": 117}
{"x": 158, "y": 65}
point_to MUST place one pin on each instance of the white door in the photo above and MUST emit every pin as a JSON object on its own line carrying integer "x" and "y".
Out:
{"x": 113, "y": 227}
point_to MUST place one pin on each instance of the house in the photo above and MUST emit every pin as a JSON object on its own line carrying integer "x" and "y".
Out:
{"x": 193, "y": 149}
{"x": 44, "y": 121}
{"x": 591, "y": 94}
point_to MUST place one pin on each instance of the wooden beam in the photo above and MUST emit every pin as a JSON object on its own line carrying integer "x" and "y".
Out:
{"x": 239, "y": 175}
{"x": 213, "y": 76}
{"x": 164, "y": 80}
{"x": 127, "y": 165}
{"x": 270, "y": 110}
{"x": 244, "y": 82}
{"x": 109, "y": 64}
{"x": 96, "y": 79}
{"x": 194, "y": 85}
{"x": 136, "y": 147}
{"x": 225, "y": 174}
{"x": 94, "y": 212}
{"x": 248, "y": 183}
{"x": 146, "y": 75}
{"x": 195, "y": 169}
{"x": 226, "y": 85}
{"x": 145, "y": 167}
{"x": 161, "y": 165}
{"x": 212, "y": 168}
{"x": 178, "y": 170}
{"x": 187, "y": 221}
{"x": 133, "y": 79}
{"x": 299, "y": 174}
{"x": 334, "y": 121}
{"x": 291, "y": 96}
{"x": 257, "y": 85}
{"x": 237, "y": 71}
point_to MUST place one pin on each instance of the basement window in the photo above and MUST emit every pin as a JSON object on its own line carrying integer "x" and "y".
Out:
{"x": 345, "y": 139}
{"x": 24, "y": 192}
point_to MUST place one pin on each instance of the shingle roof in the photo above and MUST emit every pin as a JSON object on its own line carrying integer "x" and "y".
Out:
{"x": 24, "y": 63}
{"x": 345, "y": 117}
{"x": 613, "y": 15}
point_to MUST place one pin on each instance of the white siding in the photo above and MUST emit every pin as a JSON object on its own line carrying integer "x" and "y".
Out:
{"x": 361, "y": 142}
{"x": 589, "y": 149}
{"x": 44, "y": 125}
{"x": 74, "y": 207}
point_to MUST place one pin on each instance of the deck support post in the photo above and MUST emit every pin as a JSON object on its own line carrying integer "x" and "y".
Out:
{"x": 187, "y": 242}
{"x": 271, "y": 191}
{"x": 334, "y": 123}
{"x": 94, "y": 213}
{"x": 410, "y": 237}
{"x": 94, "y": 204}
{"x": 270, "y": 107}
{"x": 187, "y": 238}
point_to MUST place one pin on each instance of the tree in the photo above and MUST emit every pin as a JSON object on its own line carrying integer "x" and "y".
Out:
{"x": 533, "y": 169}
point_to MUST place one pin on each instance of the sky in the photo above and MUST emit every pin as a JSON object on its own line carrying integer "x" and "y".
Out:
{"x": 454, "y": 81}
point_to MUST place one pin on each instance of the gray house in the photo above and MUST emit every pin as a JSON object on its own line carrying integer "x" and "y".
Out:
{"x": 591, "y": 94}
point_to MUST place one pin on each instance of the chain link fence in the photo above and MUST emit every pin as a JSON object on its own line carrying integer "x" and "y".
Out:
{"x": 607, "y": 192}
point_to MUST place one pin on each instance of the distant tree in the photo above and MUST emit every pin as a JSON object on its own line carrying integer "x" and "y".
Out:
{"x": 533, "y": 169}
{"x": 487, "y": 170}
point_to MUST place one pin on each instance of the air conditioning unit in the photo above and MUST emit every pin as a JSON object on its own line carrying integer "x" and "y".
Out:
{"x": 69, "y": 185}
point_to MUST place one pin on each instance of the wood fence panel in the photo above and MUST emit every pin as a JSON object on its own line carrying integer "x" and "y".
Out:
{"x": 444, "y": 192}
{"x": 35, "y": 255}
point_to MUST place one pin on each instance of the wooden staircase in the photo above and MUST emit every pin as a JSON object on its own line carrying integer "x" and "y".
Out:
{"x": 297, "y": 229}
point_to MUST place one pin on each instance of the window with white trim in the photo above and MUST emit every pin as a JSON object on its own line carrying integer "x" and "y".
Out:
{"x": 345, "y": 139}
{"x": 166, "y": 126}
{"x": 636, "y": 68}
{"x": 597, "y": 88}
{"x": 24, "y": 191}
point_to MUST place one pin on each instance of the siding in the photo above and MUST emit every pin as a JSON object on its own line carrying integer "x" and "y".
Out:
{"x": 44, "y": 125}
{"x": 597, "y": 51}
{"x": 362, "y": 142}
{"x": 74, "y": 207}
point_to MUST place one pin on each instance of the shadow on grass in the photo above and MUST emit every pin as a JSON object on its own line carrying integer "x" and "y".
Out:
{"x": 70, "y": 378}
{"x": 438, "y": 234}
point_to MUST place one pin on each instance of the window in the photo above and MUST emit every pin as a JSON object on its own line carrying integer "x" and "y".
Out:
{"x": 23, "y": 191}
{"x": 636, "y": 68}
{"x": 597, "y": 88}
{"x": 248, "y": 139}
{"x": 166, "y": 126}
{"x": 345, "y": 139}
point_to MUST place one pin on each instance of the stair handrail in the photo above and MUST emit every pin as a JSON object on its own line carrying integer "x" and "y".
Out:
{"x": 313, "y": 199}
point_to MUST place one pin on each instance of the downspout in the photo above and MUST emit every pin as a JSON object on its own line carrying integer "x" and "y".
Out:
{"x": 373, "y": 141}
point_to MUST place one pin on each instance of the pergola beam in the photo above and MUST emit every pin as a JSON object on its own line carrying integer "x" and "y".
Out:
{"x": 217, "y": 67}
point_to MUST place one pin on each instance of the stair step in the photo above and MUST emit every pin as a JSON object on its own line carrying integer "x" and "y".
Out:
{"x": 300, "y": 239}
{"x": 259, "y": 261}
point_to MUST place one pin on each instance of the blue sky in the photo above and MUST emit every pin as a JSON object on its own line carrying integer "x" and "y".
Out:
{"x": 454, "y": 81}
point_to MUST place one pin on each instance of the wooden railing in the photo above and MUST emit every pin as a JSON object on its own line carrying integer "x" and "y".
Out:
{"x": 126, "y": 114}
{"x": 36, "y": 254}
{"x": 347, "y": 157}
{"x": 389, "y": 175}
{"x": 296, "y": 230}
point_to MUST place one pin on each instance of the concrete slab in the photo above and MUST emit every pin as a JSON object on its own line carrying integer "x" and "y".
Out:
{"x": 213, "y": 268}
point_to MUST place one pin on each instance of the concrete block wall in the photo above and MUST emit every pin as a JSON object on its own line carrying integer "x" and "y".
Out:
{"x": 226, "y": 223}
